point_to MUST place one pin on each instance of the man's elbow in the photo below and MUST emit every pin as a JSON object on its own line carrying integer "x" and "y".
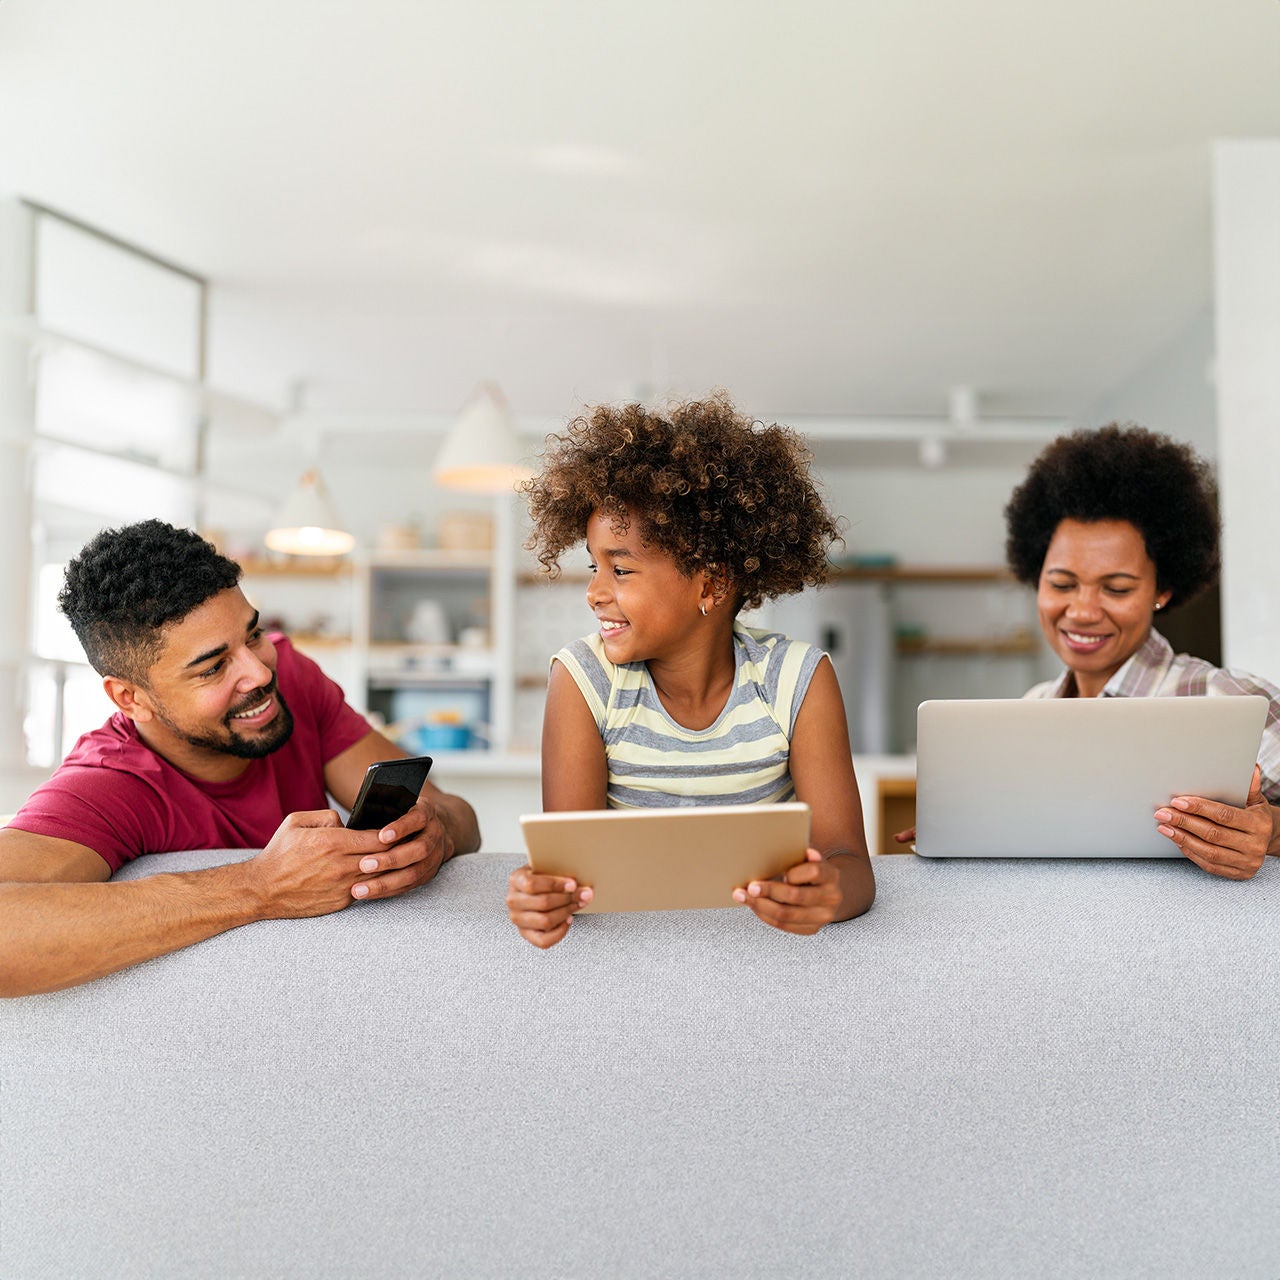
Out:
{"x": 474, "y": 842}
{"x": 464, "y": 826}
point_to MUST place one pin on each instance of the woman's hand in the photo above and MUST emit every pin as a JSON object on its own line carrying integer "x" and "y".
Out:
{"x": 1223, "y": 840}
{"x": 805, "y": 899}
{"x": 541, "y": 907}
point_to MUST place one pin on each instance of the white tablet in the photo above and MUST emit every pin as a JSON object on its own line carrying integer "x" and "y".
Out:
{"x": 1074, "y": 777}
{"x": 658, "y": 859}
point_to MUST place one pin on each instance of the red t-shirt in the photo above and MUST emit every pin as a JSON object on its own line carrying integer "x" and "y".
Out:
{"x": 116, "y": 795}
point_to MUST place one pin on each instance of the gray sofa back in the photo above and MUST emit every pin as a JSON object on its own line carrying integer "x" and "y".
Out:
{"x": 1005, "y": 1069}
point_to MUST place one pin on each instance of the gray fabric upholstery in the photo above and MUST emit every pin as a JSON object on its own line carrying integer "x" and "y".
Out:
{"x": 1006, "y": 1069}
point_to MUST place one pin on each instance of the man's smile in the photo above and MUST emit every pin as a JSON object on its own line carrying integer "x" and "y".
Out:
{"x": 259, "y": 712}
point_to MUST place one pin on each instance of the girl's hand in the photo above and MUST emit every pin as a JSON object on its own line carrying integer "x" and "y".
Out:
{"x": 542, "y": 906}
{"x": 805, "y": 899}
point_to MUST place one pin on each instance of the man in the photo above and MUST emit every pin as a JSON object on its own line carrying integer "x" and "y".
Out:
{"x": 224, "y": 737}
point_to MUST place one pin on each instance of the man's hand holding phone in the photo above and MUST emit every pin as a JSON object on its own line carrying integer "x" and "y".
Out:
{"x": 416, "y": 841}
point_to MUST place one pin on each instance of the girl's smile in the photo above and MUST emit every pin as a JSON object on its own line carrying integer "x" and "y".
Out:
{"x": 645, "y": 607}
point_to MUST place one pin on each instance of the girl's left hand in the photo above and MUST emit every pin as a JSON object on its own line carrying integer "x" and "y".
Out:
{"x": 805, "y": 899}
{"x": 1225, "y": 841}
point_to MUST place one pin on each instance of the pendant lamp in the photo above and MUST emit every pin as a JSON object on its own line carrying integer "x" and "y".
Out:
{"x": 482, "y": 452}
{"x": 308, "y": 524}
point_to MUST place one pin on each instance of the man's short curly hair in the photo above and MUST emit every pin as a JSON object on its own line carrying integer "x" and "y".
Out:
{"x": 128, "y": 584}
{"x": 1160, "y": 487}
{"x": 713, "y": 489}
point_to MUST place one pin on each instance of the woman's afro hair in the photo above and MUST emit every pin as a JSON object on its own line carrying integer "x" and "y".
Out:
{"x": 710, "y": 487}
{"x": 1160, "y": 487}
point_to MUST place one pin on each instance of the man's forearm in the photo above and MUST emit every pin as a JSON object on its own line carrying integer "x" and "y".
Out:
{"x": 459, "y": 820}
{"x": 55, "y": 935}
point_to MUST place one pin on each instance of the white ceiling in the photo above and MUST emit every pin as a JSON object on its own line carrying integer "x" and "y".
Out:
{"x": 837, "y": 208}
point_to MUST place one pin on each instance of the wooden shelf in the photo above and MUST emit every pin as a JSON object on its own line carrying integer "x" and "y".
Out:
{"x": 302, "y": 640}
{"x": 934, "y": 574}
{"x": 902, "y": 573}
{"x": 320, "y": 567}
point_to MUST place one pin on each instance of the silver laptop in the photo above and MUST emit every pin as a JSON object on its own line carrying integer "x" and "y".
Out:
{"x": 1074, "y": 777}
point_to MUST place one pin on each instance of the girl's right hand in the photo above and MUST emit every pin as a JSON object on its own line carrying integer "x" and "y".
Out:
{"x": 541, "y": 907}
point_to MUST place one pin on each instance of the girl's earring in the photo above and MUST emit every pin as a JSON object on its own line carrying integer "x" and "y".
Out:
{"x": 703, "y": 607}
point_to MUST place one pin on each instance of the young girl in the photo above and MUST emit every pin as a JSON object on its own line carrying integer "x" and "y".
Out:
{"x": 689, "y": 519}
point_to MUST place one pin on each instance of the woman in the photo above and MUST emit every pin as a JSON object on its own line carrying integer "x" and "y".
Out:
{"x": 1113, "y": 527}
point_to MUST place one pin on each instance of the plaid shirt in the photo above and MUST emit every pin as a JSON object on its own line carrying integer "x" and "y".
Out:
{"x": 1155, "y": 671}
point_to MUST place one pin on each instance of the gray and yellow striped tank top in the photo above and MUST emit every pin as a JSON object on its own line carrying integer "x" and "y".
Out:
{"x": 743, "y": 758}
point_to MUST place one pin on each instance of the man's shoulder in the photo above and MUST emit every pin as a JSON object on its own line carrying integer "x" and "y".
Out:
{"x": 113, "y": 745}
{"x": 109, "y": 767}
{"x": 111, "y": 794}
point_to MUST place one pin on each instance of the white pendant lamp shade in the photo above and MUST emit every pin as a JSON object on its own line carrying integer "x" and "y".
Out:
{"x": 308, "y": 525}
{"x": 481, "y": 453}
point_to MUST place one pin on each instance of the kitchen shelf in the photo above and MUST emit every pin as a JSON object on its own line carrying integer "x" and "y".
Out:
{"x": 321, "y": 567}
{"x": 307, "y": 640}
{"x": 412, "y": 662}
{"x": 931, "y": 574}
{"x": 902, "y": 573}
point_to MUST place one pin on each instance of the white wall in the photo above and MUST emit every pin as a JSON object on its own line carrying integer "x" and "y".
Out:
{"x": 934, "y": 517}
{"x": 1246, "y": 242}
{"x": 1172, "y": 393}
{"x": 17, "y": 426}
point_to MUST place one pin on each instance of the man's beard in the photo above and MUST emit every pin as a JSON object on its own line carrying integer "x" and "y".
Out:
{"x": 230, "y": 743}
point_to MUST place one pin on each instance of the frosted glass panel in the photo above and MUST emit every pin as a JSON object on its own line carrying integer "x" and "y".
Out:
{"x": 99, "y": 292}
{"x": 95, "y": 401}
{"x": 116, "y": 491}
{"x": 84, "y": 706}
{"x": 54, "y": 637}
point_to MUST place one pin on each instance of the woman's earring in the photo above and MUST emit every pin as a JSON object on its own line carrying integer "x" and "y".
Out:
{"x": 703, "y": 607}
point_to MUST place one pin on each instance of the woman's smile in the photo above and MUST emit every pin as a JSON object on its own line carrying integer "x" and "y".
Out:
{"x": 1096, "y": 598}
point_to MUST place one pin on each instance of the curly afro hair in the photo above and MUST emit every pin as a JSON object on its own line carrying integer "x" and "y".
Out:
{"x": 128, "y": 584}
{"x": 710, "y": 487}
{"x": 1160, "y": 487}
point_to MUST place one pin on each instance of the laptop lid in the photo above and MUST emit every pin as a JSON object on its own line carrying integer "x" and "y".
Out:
{"x": 1074, "y": 777}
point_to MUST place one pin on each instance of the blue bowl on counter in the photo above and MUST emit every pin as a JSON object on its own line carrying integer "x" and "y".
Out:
{"x": 442, "y": 737}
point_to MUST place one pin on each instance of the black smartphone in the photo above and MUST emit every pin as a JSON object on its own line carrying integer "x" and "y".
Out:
{"x": 389, "y": 790}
